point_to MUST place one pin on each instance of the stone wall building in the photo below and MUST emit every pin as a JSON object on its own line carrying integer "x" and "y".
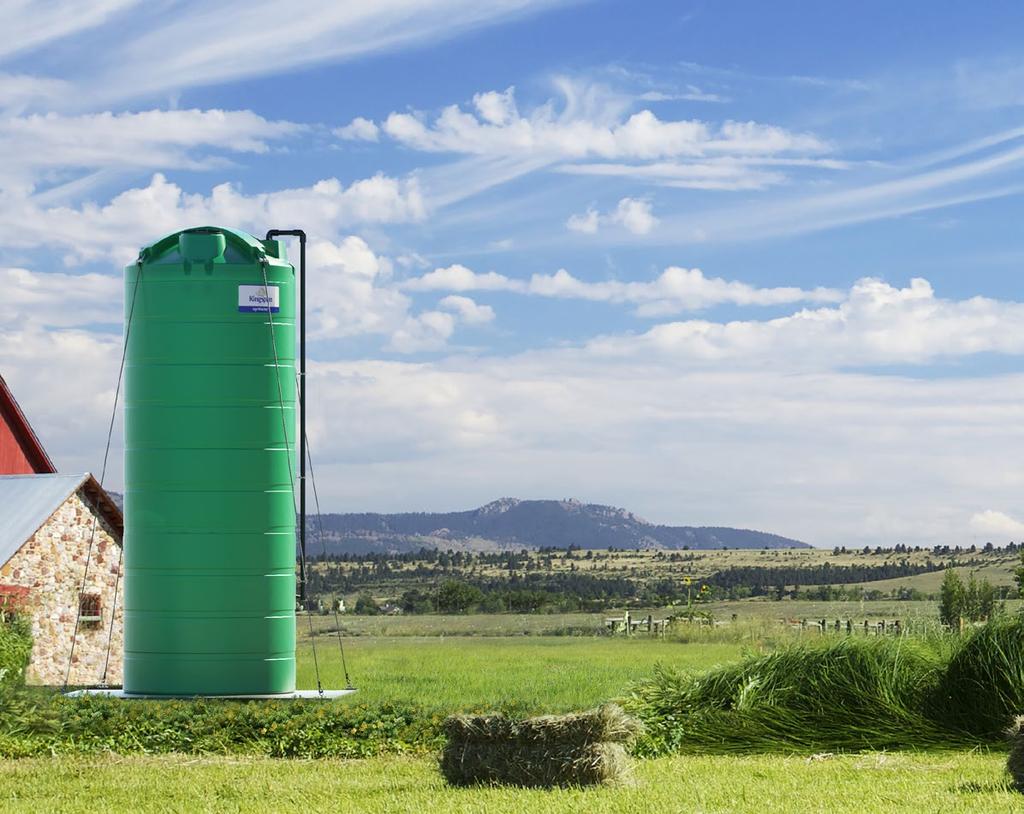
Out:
{"x": 47, "y": 522}
{"x": 60, "y": 560}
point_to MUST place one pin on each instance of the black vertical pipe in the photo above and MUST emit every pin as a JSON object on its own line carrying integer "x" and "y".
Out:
{"x": 301, "y": 235}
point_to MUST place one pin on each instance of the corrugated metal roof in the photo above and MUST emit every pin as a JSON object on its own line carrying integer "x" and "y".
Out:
{"x": 26, "y": 502}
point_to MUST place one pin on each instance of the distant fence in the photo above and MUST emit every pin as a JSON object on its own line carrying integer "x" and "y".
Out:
{"x": 627, "y": 625}
{"x": 880, "y": 627}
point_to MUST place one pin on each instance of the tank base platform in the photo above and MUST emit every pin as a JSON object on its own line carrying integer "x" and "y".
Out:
{"x": 111, "y": 692}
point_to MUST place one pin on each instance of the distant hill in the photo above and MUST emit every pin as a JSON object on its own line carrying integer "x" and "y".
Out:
{"x": 509, "y": 523}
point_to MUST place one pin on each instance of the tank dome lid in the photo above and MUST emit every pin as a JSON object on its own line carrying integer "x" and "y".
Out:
{"x": 205, "y": 240}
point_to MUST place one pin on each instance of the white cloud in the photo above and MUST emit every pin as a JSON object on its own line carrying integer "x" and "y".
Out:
{"x": 431, "y": 330}
{"x": 348, "y": 293}
{"x": 59, "y": 300}
{"x": 359, "y": 129}
{"x": 64, "y": 380}
{"x": 990, "y": 83}
{"x": 495, "y": 108}
{"x": 635, "y": 215}
{"x": 19, "y": 91}
{"x": 692, "y": 93}
{"x": 758, "y": 439}
{"x": 596, "y": 127}
{"x": 428, "y": 331}
{"x": 876, "y": 324}
{"x": 30, "y": 24}
{"x": 828, "y": 457}
{"x": 468, "y": 310}
{"x": 459, "y": 278}
{"x": 674, "y": 290}
{"x": 720, "y": 174}
{"x": 585, "y": 224}
{"x": 150, "y": 139}
{"x": 133, "y": 217}
{"x": 999, "y": 525}
{"x": 321, "y": 31}
{"x": 918, "y": 186}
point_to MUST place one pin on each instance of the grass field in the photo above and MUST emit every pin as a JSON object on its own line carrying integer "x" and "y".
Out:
{"x": 474, "y": 663}
{"x": 527, "y": 675}
{"x": 869, "y": 784}
{"x": 505, "y": 625}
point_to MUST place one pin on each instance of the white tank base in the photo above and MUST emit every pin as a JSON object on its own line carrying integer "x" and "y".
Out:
{"x": 110, "y": 692}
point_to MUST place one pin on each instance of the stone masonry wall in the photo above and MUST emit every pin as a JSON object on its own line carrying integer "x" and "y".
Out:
{"x": 51, "y": 564}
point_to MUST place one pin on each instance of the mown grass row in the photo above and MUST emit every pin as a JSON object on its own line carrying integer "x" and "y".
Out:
{"x": 407, "y": 687}
{"x": 828, "y": 694}
{"x": 848, "y": 694}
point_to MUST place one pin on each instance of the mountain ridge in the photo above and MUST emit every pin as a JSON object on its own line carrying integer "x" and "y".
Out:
{"x": 513, "y": 523}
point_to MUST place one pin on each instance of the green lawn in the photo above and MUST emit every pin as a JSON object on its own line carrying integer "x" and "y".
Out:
{"x": 520, "y": 674}
{"x": 867, "y": 784}
{"x": 523, "y": 674}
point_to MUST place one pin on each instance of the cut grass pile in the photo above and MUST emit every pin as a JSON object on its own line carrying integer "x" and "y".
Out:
{"x": 580, "y": 749}
{"x": 848, "y": 694}
{"x": 982, "y": 688}
{"x": 1015, "y": 762}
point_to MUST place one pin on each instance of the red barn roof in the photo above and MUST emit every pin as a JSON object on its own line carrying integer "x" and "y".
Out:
{"x": 21, "y": 453}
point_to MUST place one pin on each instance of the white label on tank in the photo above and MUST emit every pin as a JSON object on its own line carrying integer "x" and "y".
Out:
{"x": 258, "y": 299}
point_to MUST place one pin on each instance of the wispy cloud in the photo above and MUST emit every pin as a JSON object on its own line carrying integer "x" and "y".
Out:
{"x": 936, "y": 182}
{"x": 154, "y": 139}
{"x": 316, "y": 31}
{"x": 31, "y": 24}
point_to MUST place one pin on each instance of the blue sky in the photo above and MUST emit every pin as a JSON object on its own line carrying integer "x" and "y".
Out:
{"x": 726, "y": 263}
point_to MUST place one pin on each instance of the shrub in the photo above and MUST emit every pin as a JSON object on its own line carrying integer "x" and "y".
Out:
{"x": 952, "y": 599}
{"x": 34, "y": 723}
{"x": 973, "y": 601}
{"x": 366, "y": 606}
{"x": 456, "y": 597}
{"x": 15, "y": 649}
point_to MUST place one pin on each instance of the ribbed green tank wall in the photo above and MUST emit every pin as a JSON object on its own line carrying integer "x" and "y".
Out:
{"x": 209, "y": 605}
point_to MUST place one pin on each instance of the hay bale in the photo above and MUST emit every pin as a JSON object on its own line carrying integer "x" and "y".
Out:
{"x": 580, "y": 749}
{"x": 1015, "y": 762}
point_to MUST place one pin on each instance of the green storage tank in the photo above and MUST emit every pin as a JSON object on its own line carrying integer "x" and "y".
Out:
{"x": 210, "y": 431}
